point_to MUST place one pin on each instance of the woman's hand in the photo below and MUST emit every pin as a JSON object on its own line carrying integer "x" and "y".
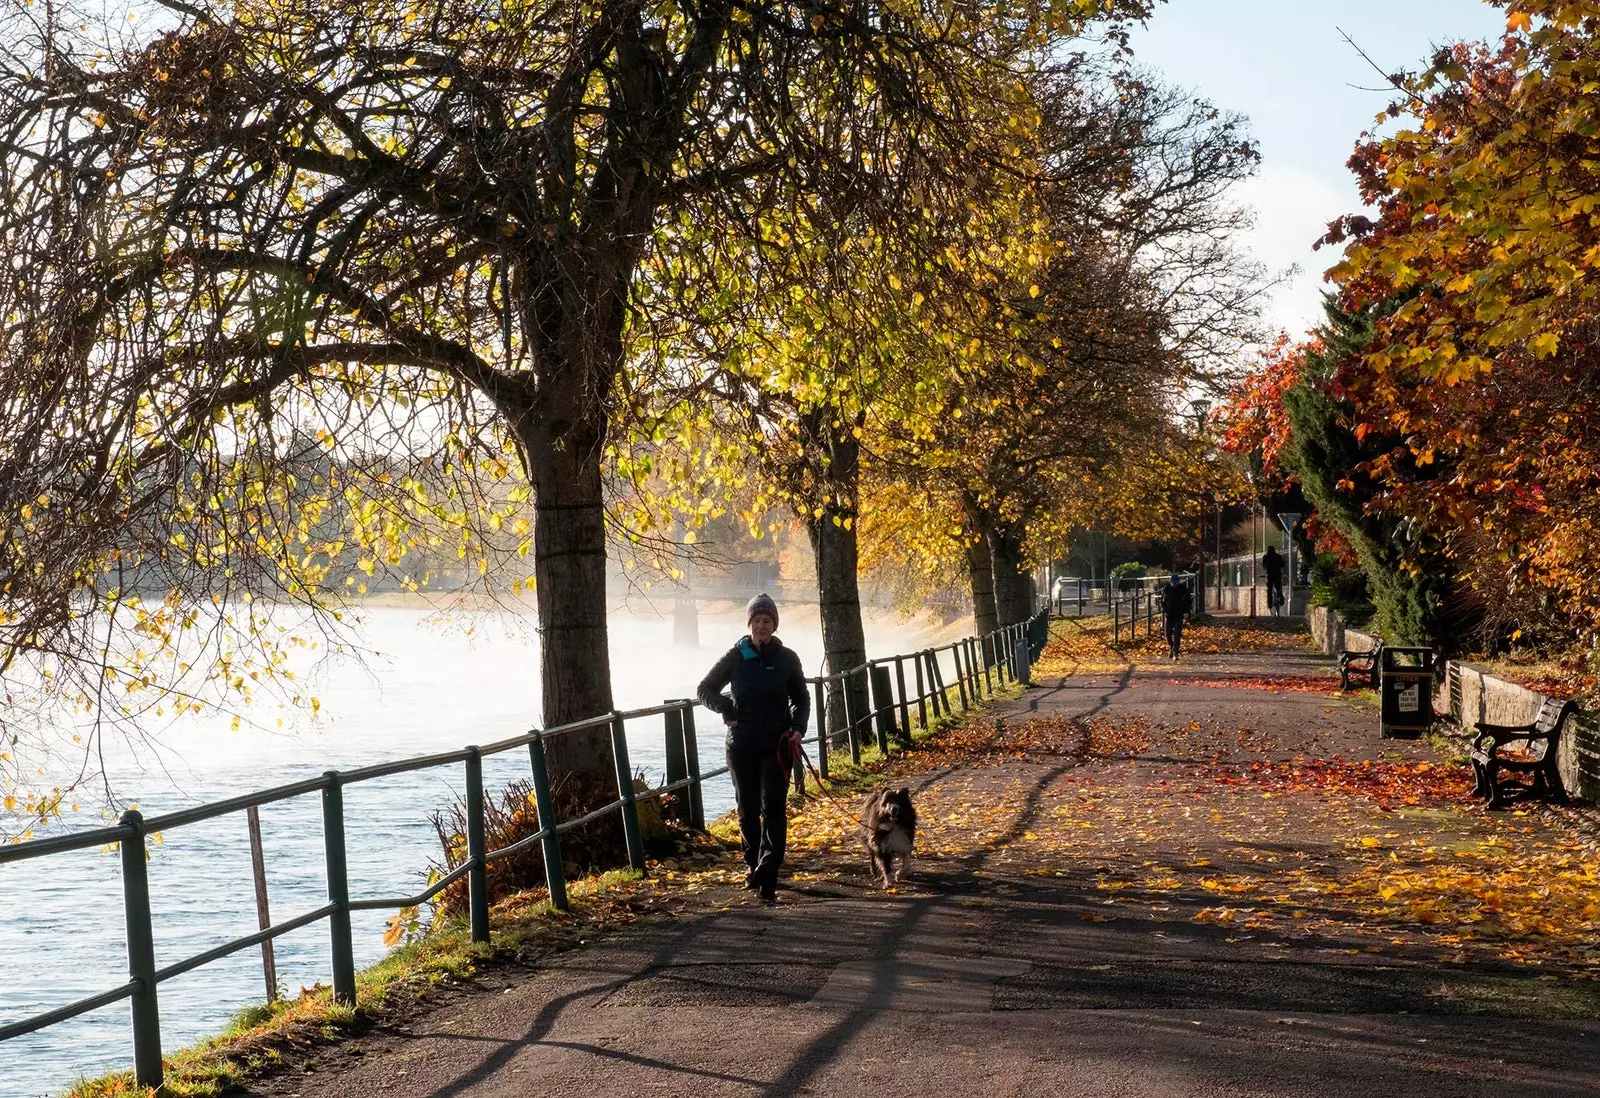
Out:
{"x": 790, "y": 749}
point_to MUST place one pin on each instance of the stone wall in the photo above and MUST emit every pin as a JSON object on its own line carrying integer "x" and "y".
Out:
{"x": 1327, "y": 629}
{"x": 1333, "y": 636}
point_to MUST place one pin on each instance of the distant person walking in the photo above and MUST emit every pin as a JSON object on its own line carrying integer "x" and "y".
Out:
{"x": 766, "y": 716}
{"x": 1274, "y": 565}
{"x": 1176, "y": 602}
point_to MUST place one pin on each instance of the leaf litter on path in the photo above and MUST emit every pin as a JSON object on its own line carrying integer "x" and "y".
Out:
{"x": 1206, "y": 822}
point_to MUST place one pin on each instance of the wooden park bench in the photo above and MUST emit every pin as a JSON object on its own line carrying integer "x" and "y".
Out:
{"x": 1363, "y": 663}
{"x": 1539, "y": 753}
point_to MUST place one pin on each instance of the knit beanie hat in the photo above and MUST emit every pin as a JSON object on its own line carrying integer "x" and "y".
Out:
{"x": 762, "y": 604}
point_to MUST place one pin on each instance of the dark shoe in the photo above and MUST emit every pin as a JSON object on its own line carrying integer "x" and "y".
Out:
{"x": 750, "y": 881}
{"x": 769, "y": 893}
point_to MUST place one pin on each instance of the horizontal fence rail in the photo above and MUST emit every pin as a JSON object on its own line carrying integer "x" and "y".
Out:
{"x": 1079, "y": 596}
{"x": 930, "y": 683}
{"x": 1133, "y": 604}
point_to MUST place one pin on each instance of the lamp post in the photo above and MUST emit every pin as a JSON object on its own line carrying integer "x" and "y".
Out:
{"x": 1219, "y": 553}
{"x": 1198, "y": 409}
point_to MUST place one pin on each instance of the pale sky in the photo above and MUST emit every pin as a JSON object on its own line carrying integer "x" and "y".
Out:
{"x": 1284, "y": 65}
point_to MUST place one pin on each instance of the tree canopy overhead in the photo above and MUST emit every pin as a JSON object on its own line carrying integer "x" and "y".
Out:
{"x": 417, "y": 232}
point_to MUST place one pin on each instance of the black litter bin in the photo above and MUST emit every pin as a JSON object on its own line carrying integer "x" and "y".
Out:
{"x": 1405, "y": 690}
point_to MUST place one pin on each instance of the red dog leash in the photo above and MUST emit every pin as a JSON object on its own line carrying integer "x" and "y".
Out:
{"x": 821, "y": 786}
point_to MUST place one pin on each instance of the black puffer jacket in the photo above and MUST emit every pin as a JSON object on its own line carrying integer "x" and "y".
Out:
{"x": 1175, "y": 602}
{"x": 769, "y": 694}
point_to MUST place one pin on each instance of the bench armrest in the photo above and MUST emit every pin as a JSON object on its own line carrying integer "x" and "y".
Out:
{"x": 1502, "y": 732}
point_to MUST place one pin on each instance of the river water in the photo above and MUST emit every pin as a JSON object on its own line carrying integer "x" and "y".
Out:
{"x": 426, "y": 684}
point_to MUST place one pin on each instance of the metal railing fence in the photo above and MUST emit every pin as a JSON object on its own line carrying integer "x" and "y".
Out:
{"x": 1143, "y": 606}
{"x": 979, "y": 666}
{"x": 1077, "y": 596}
{"x": 1130, "y": 603}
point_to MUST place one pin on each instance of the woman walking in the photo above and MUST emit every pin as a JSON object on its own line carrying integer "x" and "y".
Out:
{"x": 769, "y": 705}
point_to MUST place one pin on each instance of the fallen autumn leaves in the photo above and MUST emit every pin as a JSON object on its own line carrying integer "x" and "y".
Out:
{"x": 1241, "y": 828}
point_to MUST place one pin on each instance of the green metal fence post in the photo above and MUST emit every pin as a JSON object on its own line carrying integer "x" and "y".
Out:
{"x": 905, "y": 703}
{"x": 852, "y": 733}
{"x": 691, "y": 756}
{"x": 477, "y": 850}
{"x": 961, "y": 680}
{"x": 819, "y": 700}
{"x": 344, "y": 960}
{"x": 677, "y": 761}
{"x": 555, "y": 877}
{"x": 630, "y": 808}
{"x": 922, "y": 693}
{"x": 883, "y": 706}
{"x": 141, "y": 955}
{"x": 941, "y": 700}
{"x": 985, "y": 651}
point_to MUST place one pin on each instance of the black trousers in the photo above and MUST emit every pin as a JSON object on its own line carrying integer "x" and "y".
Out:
{"x": 761, "y": 791}
{"x": 1174, "y": 628}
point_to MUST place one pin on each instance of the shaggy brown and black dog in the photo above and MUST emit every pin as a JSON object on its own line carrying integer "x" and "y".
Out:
{"x": 888, "y": 830}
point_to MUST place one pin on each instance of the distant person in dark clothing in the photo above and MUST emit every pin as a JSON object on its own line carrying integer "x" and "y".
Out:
{"x": 766, "y": 716}
{"x": 1176, "y": 602}
{"x": 1274, "y": 566}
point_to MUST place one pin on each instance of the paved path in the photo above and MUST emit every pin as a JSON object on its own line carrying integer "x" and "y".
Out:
{"x": 1068, "y": 931}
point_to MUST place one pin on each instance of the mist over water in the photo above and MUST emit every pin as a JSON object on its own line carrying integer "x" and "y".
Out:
{"x": 428, "y": 684}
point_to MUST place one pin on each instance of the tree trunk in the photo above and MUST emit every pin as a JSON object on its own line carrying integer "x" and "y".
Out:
{"x": 1013, "y": 587}
{"x": 980, "y": 571}
{"x": 833, "y": 544}
{"x": 980, "y": 568}
{"x": 844, "y": 641}
{"x": 561, "y": 448}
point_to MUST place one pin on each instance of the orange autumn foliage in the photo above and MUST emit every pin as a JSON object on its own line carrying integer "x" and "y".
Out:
{"x": 1485, "y": 368}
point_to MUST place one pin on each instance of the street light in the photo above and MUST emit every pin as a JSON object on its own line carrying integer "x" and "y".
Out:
{"x": 1198, "y": 409}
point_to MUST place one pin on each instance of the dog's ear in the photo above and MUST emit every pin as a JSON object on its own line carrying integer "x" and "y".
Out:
{"x": 905, "y": 792}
